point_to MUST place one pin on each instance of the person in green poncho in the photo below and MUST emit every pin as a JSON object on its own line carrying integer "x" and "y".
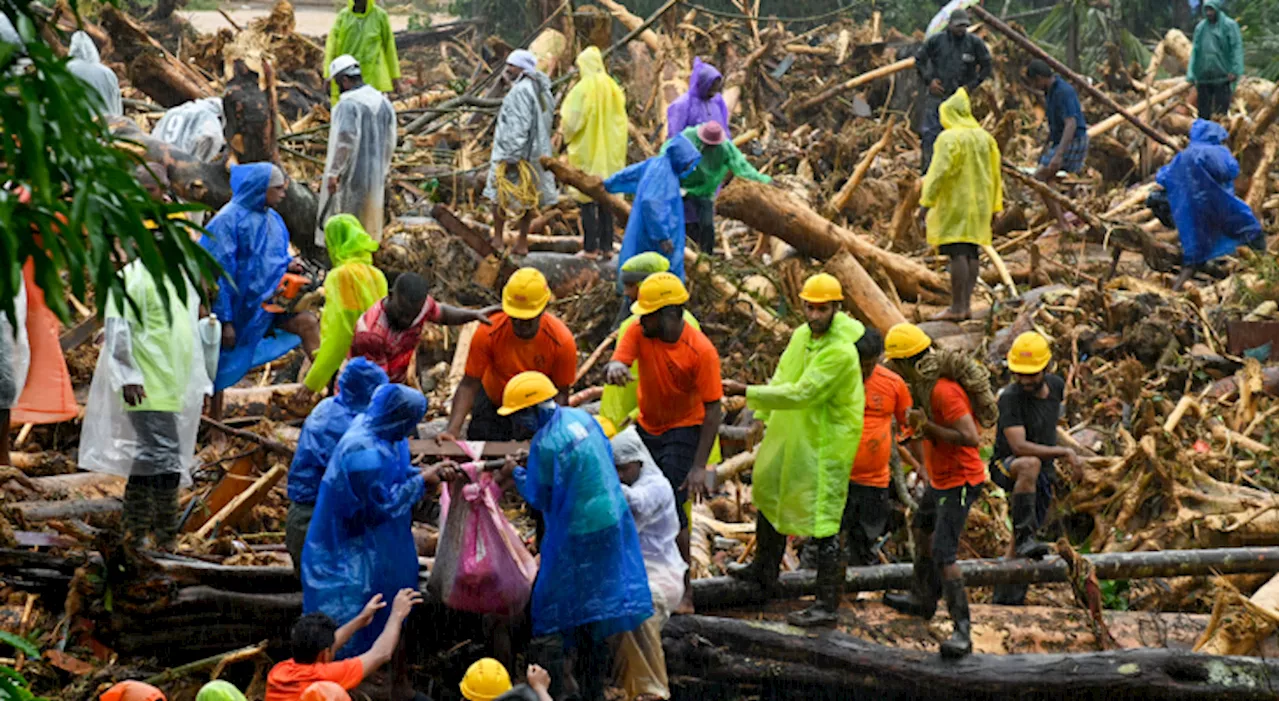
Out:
{"x": 1217, "y": 60}
{"x": 363, "y": 30}
{"x": 720, "y": 157}
{"x": 812, "y": 411}
{"x": 350, "y": 288}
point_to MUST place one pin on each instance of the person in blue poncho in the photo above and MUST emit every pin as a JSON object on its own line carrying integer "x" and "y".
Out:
{"x": 1212, "y": 222}
{"x": 323, "y": 429}
{"x": 249, "y": 240}
{"x": 591, "y": 581}
{"x": 657, "y": 215}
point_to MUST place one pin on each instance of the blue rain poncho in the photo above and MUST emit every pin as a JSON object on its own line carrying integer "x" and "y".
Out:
{"x": 592, "y": 571}
{"x": 249, "y": 240}
{"x": 360, "y": 542}
{"x": 326, "y": 425}
{"x": 86, "y": 65}
{"x": 1212, "y": 221}
{"x": 657, "y": 214}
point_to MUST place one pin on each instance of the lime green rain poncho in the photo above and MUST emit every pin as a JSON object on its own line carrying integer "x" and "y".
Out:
{"x": 350, "y": 288}
{"x": 594, "y": 120}
{"x": 962, "y": 188}
{"x": 1217, "y": 50}
{"x": 368, "y": 37}
{"x": 812, "y": 411}
{"x": 219, "y": 690}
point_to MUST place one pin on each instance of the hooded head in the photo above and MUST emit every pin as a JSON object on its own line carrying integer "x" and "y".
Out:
{"x": 590, "y": 62}
{"x": 359, "y": 380}
{"x": 1204, "y": 131}
{"x": 702, "y": 79}
{"x": 83, "y": 48}
{"x": 360, "y": 7}
{"x": 683, "y": 155}
{"x": 630, "y": 455}
{"x": 347, "y": 240}
{"x": 394, "y": 412}
{"x": 249, "y": 184}
{"x": 219, "y": 690}
{"x": 132, "y": 691}
{"x": 1216, "y": 6}
{"x": 955, "y": 113}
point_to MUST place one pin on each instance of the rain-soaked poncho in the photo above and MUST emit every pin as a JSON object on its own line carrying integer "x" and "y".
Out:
{"x": 653, "y": 506}
{"x": 962, "y": 188}
{"x": 593, "y": 120}
{"x": 1200, "y": 182}
{"x": 362, "y": 138}
{"x": 219, "y": 690}
{"x": 812, "y": 412}
{"x": 360, "y": 542}
{"x": 657, "y": 214}
{"x": 195, "y": 127}
{"x": 351, "y": 287}
{"x": 86, "y": 65}
{"x": 153, "y": 343}
{"x": 15, "y": 350}
{"x": 327, "y": 423}
{"x": 1216, "y": 49}
{"x": 716, "y": 163}
{"x": 249, "y": 240}
{"x": 524, "y": 134}
{"x": 692, "y": 109}
{"x": 592, "y": 571}
{"x": 368, "y": 37}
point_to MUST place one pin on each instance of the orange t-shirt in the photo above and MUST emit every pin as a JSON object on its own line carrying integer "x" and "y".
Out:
{"x": 951, "y": 465}
{"x": 289, "y": 679}
{"x": 497, "y": 354}
{"x": 675, "y": 379}
{"x": 887, "y": 399}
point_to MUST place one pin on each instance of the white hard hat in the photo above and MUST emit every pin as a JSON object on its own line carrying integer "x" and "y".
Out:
{"x": 344, "y": 64}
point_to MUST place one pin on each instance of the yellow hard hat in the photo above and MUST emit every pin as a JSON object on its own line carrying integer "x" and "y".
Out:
{"x": 486, "y": 680}
{"x": 905, "y": 340}
{"x": 822, "y": 288}
{"x": 526, "y": 294}
{"x": 1029, "y": 354}
{"x": 657, "y": 291}
{"x": 524, "y": 390}
{"x": 606, "y": 425}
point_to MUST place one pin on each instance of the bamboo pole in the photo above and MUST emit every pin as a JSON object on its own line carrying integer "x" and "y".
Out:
{"x": 861, "y": 79}
{"x": 1114, "y": 120}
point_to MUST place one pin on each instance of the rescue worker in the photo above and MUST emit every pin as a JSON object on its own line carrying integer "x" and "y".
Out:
{"x": 351, "y": 286}
{"x": 15, "y": 361}
{"x": 517, "y": 184}
{"x": 362, "y": 137}
{"x": 1217, "y": 60}
{"x": 962, "y": 192}
{"x": 812, "y": 410}
{"x": 702, "y": 102}
{"x": 956, "y": 476}
{"x": 948, "y": 61}
{"x": 720, "y": 159}
{"x": 86, "y": 65}
{"x": 657, "y": 215}
{"x": 219, "y": 690}
{"x": 363, "y": 31}
{"x": 1068, "y": 131}
{"x": 593, "y": 121}
{"x": 678, "y": 393}
{"x": 195, "y": 127}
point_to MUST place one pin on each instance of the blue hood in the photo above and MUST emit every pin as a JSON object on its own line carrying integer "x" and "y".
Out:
{"x": 684, "y": 156}
{"x": 358, "y": 382}
{"x": 249, "y": 185}
{"x": 394, "y": 412}
{"x": 1204, "y": 131}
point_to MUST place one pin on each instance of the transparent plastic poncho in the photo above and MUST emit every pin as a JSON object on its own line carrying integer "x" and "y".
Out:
{"x": 86, "y": 65}
{"x": 195, "y": 127}
{"x": 15, "y": 350}
{"x": 362, "y": 138}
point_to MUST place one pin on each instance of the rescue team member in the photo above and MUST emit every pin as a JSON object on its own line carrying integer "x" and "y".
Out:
{"x": 720, "y": 159}
{"x": 678, "y": 393}
{"x": 1217, "y": 60}
{"x": 593, "y": 121}
{"x": 1068, "y": 131}
{"x": 956, "y": 475}
{"x": 351, "y": 287}
{"x": 812, "y": 411}
{"x": 363, "y": 30}
{"x": 948, "y": 61}
{"x": 519, "y": 338}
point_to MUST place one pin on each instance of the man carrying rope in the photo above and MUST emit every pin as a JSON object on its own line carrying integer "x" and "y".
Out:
{"x": 517, "y": 184}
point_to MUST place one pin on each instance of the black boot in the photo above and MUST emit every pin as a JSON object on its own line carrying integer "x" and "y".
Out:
{"x": 830, "y": 587}
{"x": 1009, "y": 594}
{"x": 922, "y": 601}
{"x": 763, "y": 568}
{"x": 1023, "y": 506}
{"x": 959, "y": 644}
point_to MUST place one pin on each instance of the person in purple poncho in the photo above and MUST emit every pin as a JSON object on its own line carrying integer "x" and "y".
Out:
{"x": 702, "y": 102}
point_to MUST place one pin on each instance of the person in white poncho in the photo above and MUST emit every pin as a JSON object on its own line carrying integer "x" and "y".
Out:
{"x": 195, "y": 127}
{"x": 521, "y": 138}
{"x": 15, "y": 361}
{"x": 86, "y": 65}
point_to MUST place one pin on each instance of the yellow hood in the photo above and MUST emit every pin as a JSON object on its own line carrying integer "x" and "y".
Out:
{"x": 955, "y": 113}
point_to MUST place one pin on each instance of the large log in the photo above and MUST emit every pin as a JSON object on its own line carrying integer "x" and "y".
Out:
{"x": 590, "y": 185}
{"x": 862, "y": 296}
{"x": 152, "y": 68}
{"x": 1114, "y": 120}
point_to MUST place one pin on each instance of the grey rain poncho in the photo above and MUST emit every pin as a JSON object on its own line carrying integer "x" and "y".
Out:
{"x": 194, "y": 127}
{"x": 524, "y": 134}
{"x": 15, "y": 350}
{"x": 362, "y": 137}
{"x": 86, "y": 65}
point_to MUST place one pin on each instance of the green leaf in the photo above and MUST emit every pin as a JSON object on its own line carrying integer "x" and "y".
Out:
{"x": 20, "y": 644}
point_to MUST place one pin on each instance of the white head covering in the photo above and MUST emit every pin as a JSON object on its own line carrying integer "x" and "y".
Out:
{"x": 346, "y": 64}
{"x": 83, "y": 48}
{"x": 277, "y": 176}
{"x": 524, "y": 60}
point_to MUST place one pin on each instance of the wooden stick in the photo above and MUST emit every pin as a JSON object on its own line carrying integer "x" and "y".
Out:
{"x": 595, "y": 355}
{"x": 230, "y": 21}
{"x": 861, "y": 79}
{"x": 243, "y": 503}
{"x": 904, "y": 214}
{"x": 23, "y": 433}
{"x": 735, "y": 465}
{"x": 170, "y": 674}
{"x": 841, "y": 200}
{"x": 998, "y": 262}
{"x": 1114, "y": 120}
{"x": 459, "y": 365}
{"x": 1175, "y": 417}
{"x": 273, "y": 446}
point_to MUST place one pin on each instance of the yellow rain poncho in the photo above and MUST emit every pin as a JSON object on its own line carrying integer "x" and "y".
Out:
{"x": 812, "y": 411}
{"x": 962, "y": 188}
{"x": 350, "y": 288}
{"x": 368, "y": 37}
{"x": 594, "y": 120}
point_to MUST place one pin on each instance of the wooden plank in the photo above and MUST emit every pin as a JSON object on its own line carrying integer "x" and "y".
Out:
{"x": 488, "y": 449}
{"x": 232, "y": 484}
{"x": 81, "y": 333}
{"x": 243, "y": 503}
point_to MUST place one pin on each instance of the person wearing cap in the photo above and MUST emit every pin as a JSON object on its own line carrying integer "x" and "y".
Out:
{"x": 362, "y": 137}
{"x": 591, "y": 581}
{"x": 657, "y": 214}
{"x": 678, "y": 392}
{"x": 363, "y": 31}
{"x": 517, "y": 184}
{"x": 1027, "y": 447}
{"x": 950, "y": 438}
{"x": 812, "y": 411}
{"x": 721, "y": 159}
{"x": 1068, "y": 131}
{"x": 948, "y": 61}
{"x": 593, "y": 121}
{"x": 523, "y": 336}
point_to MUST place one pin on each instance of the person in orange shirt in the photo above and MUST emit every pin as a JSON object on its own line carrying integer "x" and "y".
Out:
{"x": 866, "y": 511}
{"x": 678, "y": 393}
{"x": 519, "y": 338}
{"x": 956, "y": 476}
{"x": 132, "y": 691}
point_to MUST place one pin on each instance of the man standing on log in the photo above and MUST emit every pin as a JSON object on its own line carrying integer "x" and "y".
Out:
{"x": 517, "y": 184}
{"x": 678, "y": 393}
{"x": 812, "y": 410}
{"x": 720, "y": 159}
{"x": 956, "y": 475}
{"x": 1217, "y": 60}
{"x": 1068, "y": 132}
{"x": 362, "y": 137}
{"x": 593, "y": 121}
{"x": 948, "y": 61}
{"x": 363, "y": 30}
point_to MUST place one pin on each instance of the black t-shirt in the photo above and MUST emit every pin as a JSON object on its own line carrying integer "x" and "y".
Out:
{"x": 1039, "y": 417}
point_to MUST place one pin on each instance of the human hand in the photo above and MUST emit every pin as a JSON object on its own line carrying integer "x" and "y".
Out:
{"x": 696, "y": 483}
{"x": 134, "y": 394}
{"x": 295, "y": 266}
{"x": 228, "y": 335}
{"x": 615, "y": 373}
{"x": 537, "y": 678}
{"x": 446, "y": 471}
{"x": 371, "y": 609}
{"x": 1077, "y": 466}
{"x": 482, "y": 315}
{"x": 667, "y": 247}
{"x": 406, "y": 599}
{"x": 935, "y": 87}
{"x": 332, "y": 184}
{"x": 733, "y": 388}
{"x": 445, "y": 436}
{"x": 1044, "y": 173}
{"x": 1231, "y": 77}
{"x": 915, "y": 419}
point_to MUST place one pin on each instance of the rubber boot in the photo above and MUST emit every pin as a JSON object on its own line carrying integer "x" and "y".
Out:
{"x": 1009, "y": 594}
{"x": 1023, "y": 506}
{"x": 959, "y": 644}
{"x": 136, "y": 513}
{"x": 830, "y": 587}
{"x": 763, "y": 568}
{"x": 926, "y": 587}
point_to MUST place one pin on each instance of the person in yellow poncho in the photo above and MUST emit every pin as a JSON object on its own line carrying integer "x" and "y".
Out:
{"x": 962, "y": 192}
{"x": 351, "y": 287}
{"x": 593, "y": 121}
{"x": 363, "y": 30}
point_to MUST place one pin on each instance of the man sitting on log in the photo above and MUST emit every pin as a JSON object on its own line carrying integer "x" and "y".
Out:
{"x": 720, "y": 159}
{"x": 948, "y": 61}
{"x": 812, "y": 409}
{"x": 517, "y": 184}
{"x": 956, "y": 474}
{"x": 362, "y": 137}
{"x": 1068, "y": 132}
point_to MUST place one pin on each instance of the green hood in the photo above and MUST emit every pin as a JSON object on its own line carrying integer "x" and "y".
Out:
{"x": 347, "y": 241}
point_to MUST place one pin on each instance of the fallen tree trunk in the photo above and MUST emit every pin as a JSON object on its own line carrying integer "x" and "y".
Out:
{"x": 152, "y": 68}
{"x": 857, "y": 80}
{"x": 1114, "y": 120}
{"x": 862, "y": 296}
{"x": 44, "y": 510}
{"x": 590, "y": 185}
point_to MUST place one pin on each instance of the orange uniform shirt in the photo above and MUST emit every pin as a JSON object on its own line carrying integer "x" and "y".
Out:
{"x": 675, "y": 379}
{"x": 951, "y": 465}
{"x": 887, "y": 399}
{"x": 286, "y": 681}
{"x": 497, "y": 354}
